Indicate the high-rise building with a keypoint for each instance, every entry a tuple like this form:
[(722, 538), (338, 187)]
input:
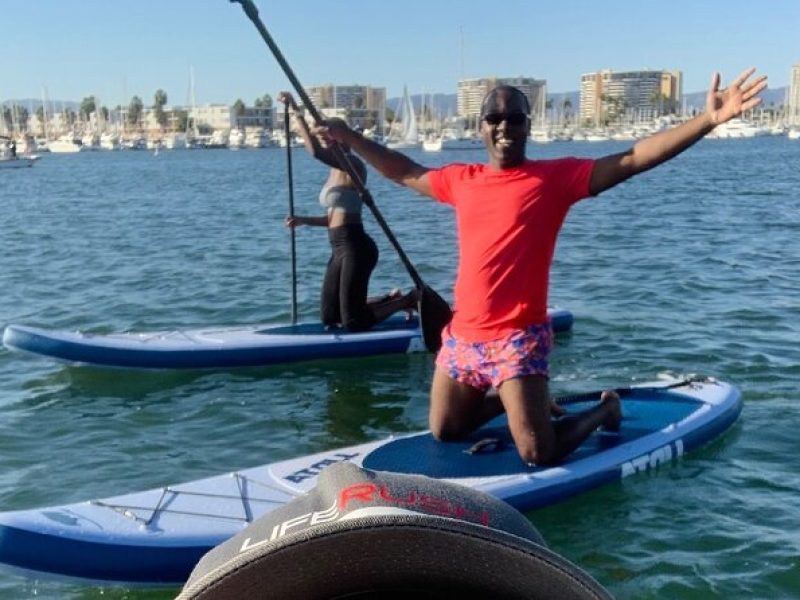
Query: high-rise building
[(629, 96), (793, 104), (472, 91), (363, 106)]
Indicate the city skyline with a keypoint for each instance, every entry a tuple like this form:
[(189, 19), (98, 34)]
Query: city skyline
[(114, 52)]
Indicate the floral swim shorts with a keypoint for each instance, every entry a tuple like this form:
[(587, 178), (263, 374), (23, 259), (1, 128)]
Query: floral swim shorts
[(488, 364)]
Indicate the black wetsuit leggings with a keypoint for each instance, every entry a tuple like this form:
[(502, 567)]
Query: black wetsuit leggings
[(344, 289)]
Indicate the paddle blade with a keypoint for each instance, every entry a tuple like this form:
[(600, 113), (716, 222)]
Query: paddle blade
[(434, 314)]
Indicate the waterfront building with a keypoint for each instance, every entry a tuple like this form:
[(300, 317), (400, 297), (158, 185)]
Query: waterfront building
[(261, 117), (150, 122), (793, 104), (472, 91), (213, 116), (629, 96), (362, 106)]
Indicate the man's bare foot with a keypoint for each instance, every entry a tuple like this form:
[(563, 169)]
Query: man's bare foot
[(610, 399)]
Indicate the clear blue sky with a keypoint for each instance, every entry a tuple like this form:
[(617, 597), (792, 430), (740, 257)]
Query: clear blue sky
[(115, 48)]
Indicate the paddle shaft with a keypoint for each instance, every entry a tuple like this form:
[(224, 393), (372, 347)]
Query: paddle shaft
[(252, 12), (288, 132)]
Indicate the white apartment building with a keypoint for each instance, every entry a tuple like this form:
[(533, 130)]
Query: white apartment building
[(472, 91), (629, 96), (215, 116), (793, 104)]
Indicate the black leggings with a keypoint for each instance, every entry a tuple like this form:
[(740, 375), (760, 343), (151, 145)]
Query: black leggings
[(344, 289)]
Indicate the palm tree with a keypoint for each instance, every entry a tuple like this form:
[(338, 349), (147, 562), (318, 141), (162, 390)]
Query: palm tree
[(159, 101), (135, 110), (566, 104)]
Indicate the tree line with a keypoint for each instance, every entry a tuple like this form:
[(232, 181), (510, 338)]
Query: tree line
[(18, 117)]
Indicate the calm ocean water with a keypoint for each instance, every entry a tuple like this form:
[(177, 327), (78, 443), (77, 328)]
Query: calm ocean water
[(691, 268)]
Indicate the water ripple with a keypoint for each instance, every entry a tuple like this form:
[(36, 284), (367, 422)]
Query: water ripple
[(689, 268)]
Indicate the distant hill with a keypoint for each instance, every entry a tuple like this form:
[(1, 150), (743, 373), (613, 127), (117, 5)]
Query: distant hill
[(770, 97)]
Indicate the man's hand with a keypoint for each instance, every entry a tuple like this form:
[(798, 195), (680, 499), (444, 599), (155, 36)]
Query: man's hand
[(725, 104), (333, 130)]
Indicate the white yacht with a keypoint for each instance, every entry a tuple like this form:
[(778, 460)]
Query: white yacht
[(738, 128), (541, 135), (432, 143), (90, 141), (109, 141), (597, 135), (255, 137), (66, 144), (459, 139), (218, 139), (236, 139), (133, 142), (175, 141)]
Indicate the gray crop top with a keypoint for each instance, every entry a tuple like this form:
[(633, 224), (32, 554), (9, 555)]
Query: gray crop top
[(339, 197)]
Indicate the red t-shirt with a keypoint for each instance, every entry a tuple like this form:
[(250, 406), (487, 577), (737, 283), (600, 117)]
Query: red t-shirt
[(507, 221)]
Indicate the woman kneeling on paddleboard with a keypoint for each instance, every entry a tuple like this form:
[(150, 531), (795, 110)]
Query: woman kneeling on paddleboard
[(354, 254)]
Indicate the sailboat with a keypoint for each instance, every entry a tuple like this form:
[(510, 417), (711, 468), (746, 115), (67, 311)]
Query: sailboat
[(405, 134), (432, 140)]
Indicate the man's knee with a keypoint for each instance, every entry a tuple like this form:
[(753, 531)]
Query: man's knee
[(446, 430)]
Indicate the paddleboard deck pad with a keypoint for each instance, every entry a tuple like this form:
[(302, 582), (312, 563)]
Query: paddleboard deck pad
[(158, 535), (226, 346)]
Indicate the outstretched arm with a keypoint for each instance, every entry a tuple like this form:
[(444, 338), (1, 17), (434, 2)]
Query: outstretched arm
[(393, 165), (310, 141), (721, 105)]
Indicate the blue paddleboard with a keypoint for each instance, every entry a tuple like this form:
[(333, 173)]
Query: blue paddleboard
[(158, 535), (220, 347)]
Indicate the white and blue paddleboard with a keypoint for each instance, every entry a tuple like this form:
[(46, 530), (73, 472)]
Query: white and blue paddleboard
[(158, 535), (220, 347)]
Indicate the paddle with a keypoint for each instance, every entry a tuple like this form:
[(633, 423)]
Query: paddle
[(434, 312), (287, 130)]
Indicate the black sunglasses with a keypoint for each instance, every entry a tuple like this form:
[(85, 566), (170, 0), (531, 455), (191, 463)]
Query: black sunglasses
[(511, 119)]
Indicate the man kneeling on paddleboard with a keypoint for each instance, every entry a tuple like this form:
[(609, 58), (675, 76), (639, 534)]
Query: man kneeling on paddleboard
[(508, 214)]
